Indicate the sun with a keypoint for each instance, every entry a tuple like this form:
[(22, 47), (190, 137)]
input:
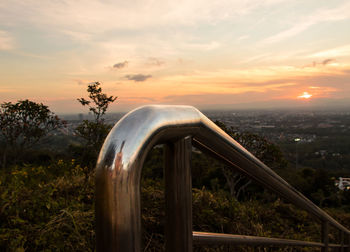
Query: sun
[(305, 95)]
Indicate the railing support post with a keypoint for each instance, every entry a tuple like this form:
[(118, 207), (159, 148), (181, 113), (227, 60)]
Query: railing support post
[(324, 238), (347, 242), (178, 191), (342, 241)]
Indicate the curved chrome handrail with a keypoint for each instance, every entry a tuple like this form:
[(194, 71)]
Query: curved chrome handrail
[(120, 162)]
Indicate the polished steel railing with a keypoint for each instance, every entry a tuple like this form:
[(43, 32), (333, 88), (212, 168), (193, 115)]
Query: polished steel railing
[(118, 175)]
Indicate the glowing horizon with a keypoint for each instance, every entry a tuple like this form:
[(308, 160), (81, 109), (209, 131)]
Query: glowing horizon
[(222, 53), (305, 95)]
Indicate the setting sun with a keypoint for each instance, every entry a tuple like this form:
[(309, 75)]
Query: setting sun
[(305, 95)]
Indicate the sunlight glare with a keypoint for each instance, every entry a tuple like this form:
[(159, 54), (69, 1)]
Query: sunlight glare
[(305, 95)]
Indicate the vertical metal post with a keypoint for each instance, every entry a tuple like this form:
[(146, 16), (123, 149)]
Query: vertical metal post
[(347, 242), (324, 236), (342, 240), (178, 196)]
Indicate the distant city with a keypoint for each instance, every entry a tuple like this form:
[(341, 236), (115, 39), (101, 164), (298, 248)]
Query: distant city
[(274, 125), (318, 139)]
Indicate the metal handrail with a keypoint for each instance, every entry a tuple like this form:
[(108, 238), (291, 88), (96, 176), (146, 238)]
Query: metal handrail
[(118, 175)]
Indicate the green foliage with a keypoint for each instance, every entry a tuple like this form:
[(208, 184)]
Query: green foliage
[(219, 212), (51, 208), (94, 132), (46, 208), (26, 122), (23, 124), (317, 185), (267, 152), (99, 101)]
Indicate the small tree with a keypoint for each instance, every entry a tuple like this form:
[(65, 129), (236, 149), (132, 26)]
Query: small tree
[(94, 132), (23, 124), (100, 101)]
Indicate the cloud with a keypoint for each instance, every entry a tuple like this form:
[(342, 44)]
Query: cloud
[(88, 20), (202, 46), (244, 101), (155, 61), (212, 98), (120, 65), (323, 63), (341, 12), (327, 61), (341, 51), (291, 32), (82, 82), (244, 37), (138, 77), (134, 99), (6, 41)]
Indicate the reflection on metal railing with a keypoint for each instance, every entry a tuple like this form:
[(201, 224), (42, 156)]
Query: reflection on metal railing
[(118, 173)]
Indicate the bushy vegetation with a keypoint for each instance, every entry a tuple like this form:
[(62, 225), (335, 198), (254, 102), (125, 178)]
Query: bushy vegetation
[(23, 124), (46, 208), (93, 132), (51, 208)]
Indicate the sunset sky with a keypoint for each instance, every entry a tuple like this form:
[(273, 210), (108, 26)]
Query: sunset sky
[(211, 54)]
